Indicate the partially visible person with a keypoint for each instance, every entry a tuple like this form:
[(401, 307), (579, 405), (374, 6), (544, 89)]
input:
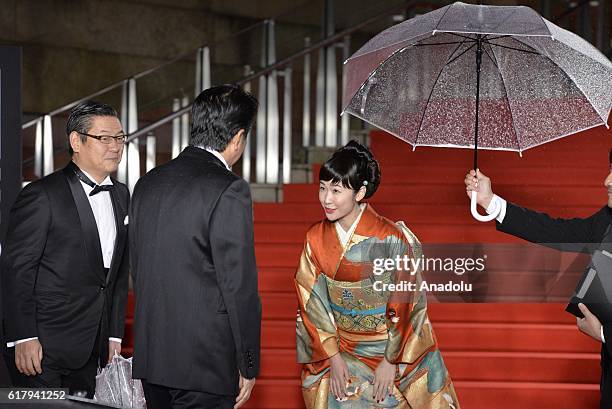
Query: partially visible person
[(198, 313), (359, 344), (577, 235), (64, 262)]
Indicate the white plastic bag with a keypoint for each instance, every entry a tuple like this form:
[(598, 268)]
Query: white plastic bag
[(115, 386)]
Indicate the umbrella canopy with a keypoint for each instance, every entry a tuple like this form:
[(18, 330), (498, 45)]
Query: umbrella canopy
[(420, 80)]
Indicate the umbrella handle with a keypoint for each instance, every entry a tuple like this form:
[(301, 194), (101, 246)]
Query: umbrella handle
[(480, 217)]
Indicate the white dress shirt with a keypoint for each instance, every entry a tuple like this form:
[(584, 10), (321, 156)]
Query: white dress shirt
[(501, 214), (218, 155), (102, 208)]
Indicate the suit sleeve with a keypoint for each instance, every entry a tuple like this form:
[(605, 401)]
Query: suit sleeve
[(29, 224), (607, 332), (233, 253), (120, 293), (562, 234)]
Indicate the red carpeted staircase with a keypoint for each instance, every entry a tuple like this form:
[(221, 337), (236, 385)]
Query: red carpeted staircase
[(500, 356)]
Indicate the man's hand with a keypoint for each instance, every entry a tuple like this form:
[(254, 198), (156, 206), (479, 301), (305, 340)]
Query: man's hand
[(28, 356), (384, 376), (113, 346), (476, 181), (590, 325), (339, 376), (246, 387)]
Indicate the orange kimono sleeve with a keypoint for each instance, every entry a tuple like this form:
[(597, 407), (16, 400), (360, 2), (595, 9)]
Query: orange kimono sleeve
[(317, 338)]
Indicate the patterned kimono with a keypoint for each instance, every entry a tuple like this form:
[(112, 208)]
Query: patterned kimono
[(340, 311)]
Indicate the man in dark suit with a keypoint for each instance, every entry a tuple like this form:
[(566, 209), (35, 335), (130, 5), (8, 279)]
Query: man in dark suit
[(566, 234), (198, 313), (65, 264)]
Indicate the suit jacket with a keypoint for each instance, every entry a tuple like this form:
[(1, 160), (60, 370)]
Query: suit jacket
[(54, 284), (198, 312), (577, 235)]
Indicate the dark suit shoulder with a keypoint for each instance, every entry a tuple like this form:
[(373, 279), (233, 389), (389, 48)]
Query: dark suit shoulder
[(48, 184), (187, 170), (121, 188)]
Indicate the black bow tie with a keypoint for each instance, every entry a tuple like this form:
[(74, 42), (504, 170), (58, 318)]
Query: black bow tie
[(101, 188), (96, 188)]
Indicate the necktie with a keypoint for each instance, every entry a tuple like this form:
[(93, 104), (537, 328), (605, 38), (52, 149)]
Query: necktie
[(96, 188)]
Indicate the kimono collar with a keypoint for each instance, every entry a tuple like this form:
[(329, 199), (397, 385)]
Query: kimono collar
[(344, 235), (369, 220)]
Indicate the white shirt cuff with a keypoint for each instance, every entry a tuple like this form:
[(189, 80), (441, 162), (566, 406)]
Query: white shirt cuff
[(115, 339), (603, 339), (19, 341), (499, 204)]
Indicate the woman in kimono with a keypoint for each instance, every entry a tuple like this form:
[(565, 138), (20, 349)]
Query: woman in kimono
[(361, 345)]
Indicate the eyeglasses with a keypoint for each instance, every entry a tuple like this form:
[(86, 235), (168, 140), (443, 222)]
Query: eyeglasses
[(107, 139)]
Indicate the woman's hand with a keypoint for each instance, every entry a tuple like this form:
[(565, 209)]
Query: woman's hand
[(339, 376), (384, 376)]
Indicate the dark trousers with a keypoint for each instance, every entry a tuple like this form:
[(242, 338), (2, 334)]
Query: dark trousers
[(80, 381), (606, 378), (162, 397)]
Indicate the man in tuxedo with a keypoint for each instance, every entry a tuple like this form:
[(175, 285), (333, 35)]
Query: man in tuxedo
[(64, 262), (566, 234), (198, 313)]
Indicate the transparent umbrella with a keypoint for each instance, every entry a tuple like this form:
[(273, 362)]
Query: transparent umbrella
[(480, 77)]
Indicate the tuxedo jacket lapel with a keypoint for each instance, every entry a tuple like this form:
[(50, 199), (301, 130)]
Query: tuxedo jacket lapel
[(88, 222), (120, 212)]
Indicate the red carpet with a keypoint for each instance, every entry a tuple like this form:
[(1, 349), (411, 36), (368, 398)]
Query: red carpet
[(528, 356)]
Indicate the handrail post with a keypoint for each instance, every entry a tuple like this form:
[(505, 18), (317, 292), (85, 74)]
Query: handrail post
[(151, 151), (345, 119), (129, 167), (320, 100), (48, 165), (268, 118), (176, 129), (287, 117), (246, 156), (202, 70), (331, 98), (306, 97), (184, 123), (38, 148), (272, 121)]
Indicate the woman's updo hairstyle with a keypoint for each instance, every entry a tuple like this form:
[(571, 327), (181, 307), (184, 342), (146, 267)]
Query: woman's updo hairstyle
[(353, 166)]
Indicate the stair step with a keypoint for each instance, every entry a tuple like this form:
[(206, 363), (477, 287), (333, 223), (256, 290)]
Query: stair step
[(473, 337), (286, 394), (283, 306), (471, 366)]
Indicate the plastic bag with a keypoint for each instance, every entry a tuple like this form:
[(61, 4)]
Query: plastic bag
[(115, 386)]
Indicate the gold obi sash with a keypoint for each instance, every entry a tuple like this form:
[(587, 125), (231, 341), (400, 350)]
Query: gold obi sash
[(357, 307)]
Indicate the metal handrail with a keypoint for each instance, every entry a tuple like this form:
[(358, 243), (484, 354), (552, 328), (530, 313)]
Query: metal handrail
[(321, 44), (281, 64), (135, 76)]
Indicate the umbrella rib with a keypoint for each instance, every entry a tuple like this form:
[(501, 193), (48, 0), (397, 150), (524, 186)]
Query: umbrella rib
[(463, 52), (491, 58), (495, 38), (431, 93), (518, 141), (449, 43), (462, 36), (512, 48)]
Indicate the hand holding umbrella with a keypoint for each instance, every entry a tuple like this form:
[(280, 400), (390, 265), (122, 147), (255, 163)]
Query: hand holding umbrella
[(479, 183)]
